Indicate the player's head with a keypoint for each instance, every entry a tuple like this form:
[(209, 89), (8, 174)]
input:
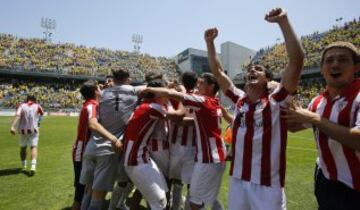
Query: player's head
[(121, 76), (30, 98), (257, 74), (154, 77), (89, 89), (155, 80), (207, 84), (339, 63), (189, 80), (109, 81)]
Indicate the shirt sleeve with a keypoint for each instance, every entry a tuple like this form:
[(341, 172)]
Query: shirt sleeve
[(91, 110), (138, 89), (281, 95), (234, 94), (195, 101)]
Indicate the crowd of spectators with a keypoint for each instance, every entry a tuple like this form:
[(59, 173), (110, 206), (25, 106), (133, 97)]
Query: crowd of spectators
[(274, 57), (41, 55), (51, 96)]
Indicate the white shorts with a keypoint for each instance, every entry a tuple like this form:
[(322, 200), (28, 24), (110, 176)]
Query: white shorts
[(249, 196), (205, 182), (99, 171), (150, 182), (161, 158), (188, 163), (29, 139), (181, 162)]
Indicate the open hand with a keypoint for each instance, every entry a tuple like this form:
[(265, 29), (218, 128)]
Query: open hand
[(296, 114)]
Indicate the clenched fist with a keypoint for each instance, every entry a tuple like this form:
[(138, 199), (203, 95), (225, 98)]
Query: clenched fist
[(276, 15), (210, 34)]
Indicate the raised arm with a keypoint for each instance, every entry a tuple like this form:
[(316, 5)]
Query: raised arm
[(295, 52), (215, 65), (165, 92)]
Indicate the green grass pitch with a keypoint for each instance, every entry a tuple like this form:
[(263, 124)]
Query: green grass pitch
[(52, 185)]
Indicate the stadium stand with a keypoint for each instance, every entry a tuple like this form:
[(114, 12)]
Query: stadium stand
[(40, 55)]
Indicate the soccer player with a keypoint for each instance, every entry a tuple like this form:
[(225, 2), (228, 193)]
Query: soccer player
[(211, 153), (182, 147), (100, 163), (335, 118), (28, 115), (89, 90), (259, 134), (139, 165)]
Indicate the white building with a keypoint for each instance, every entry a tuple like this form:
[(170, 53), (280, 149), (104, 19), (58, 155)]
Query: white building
[(232, 56)]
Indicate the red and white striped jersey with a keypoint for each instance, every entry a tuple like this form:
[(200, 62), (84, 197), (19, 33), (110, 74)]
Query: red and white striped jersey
[(210, 147), (337, 161), (138, 132), (159, 138), (259, 137), (29, 114), (180, 134), (89, 110)]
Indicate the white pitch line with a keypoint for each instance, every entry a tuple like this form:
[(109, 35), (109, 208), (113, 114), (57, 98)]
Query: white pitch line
[(301, 148), (301, 137)]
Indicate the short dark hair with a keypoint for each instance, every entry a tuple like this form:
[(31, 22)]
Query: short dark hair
[(355, 54), (266, 69), (189, 79), (109, 77), (152, 76), (211, 80), (120, 74), (154, 83), (30, 98), (88, 89)]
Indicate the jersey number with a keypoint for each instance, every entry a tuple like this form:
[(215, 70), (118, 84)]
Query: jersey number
[(117, 101)]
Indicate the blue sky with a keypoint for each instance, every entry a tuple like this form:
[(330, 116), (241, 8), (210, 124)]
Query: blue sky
[(168, 26)]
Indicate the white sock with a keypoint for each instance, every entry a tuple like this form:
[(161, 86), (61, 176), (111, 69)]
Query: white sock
[(23, 163), (33, 164), (177, 196)]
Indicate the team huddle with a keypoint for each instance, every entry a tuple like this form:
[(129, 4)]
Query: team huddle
[(165, 136)]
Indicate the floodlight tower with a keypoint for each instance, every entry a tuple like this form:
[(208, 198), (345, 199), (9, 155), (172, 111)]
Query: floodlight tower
[(137, 39), (339, 21), (48, 25)]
